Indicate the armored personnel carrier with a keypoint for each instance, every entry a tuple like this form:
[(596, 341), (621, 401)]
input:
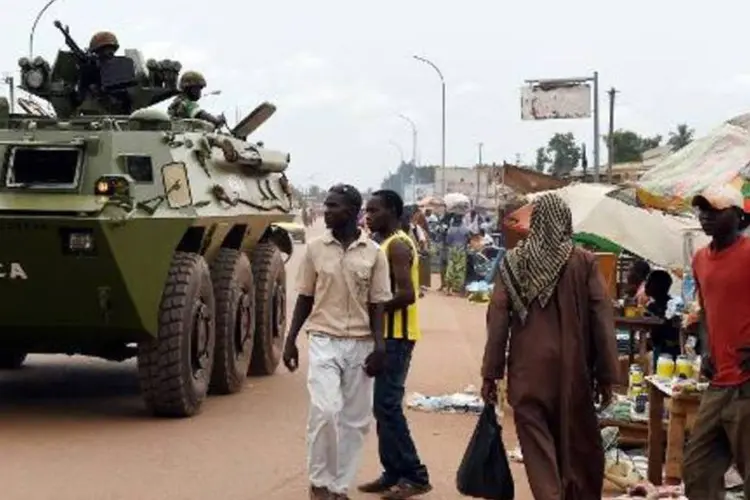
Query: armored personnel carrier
[(127, 234)]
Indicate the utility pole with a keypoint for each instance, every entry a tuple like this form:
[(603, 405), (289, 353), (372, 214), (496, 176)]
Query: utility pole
[(611, 137), (479, 171), (596, 125), (10, 82)]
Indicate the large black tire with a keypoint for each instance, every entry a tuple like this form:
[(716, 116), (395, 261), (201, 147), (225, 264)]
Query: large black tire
[(270, 309), (234, 294), (11, 359), (175, 367)]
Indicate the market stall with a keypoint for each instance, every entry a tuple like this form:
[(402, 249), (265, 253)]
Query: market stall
[(610, 225), (721, 157), (681, 399), (655, 415)]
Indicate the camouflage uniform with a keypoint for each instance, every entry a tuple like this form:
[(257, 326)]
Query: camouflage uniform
[(182, 107)]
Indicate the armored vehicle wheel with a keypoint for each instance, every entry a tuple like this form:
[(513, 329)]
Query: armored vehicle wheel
[(11, 359), (234, 294), (175, 368), (270, 308)]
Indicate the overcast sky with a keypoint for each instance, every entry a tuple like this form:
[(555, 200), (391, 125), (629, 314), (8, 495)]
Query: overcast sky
[(341, 71)]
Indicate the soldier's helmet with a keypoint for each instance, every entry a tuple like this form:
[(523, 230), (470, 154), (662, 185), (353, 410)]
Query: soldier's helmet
[(191, 79), (103, 39)]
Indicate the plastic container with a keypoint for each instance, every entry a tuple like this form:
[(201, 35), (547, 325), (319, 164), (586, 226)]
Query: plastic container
[(688, 287), (640, 403), (635, 376), (665, 366), (635, 381), (684, 367)]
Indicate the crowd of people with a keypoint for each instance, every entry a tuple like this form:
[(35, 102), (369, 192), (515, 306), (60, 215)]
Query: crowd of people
[(358, 304)]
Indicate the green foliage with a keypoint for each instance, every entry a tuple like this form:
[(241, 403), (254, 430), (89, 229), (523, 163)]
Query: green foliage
[(315, 192), (629, 146), (564, 153), (542, 160), (681, 137)]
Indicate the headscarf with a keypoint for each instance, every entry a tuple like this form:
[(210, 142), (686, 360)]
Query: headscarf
[(532, 269)]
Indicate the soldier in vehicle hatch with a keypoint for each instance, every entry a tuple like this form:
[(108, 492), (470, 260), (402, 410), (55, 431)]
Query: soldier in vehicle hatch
[(185, 105), (103, 45), (102, 48)]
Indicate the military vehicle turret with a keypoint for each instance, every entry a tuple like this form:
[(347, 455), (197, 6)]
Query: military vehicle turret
[(132, 235)]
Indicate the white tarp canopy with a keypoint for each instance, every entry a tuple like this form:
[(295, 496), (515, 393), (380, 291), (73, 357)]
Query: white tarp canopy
[(652, 235), (720, 157)]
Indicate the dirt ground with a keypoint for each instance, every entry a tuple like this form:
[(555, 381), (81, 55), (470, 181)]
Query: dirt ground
[(75, 428)]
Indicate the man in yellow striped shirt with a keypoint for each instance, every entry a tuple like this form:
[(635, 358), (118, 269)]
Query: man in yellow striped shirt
[(404, 475)]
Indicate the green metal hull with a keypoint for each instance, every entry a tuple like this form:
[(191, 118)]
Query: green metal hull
[(115, 292)]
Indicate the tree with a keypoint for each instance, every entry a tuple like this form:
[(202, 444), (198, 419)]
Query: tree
[(315, 192), (681, 137), (542, 160), (564, 152), (651, 142), (629, 146)]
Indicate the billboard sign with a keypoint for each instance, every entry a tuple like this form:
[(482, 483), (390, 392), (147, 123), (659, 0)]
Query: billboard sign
[(558, 101)]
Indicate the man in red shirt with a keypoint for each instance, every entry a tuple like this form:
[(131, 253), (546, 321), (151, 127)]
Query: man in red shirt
[(722, 274)]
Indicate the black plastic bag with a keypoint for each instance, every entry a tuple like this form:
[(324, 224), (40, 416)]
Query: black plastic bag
[(484, 471)]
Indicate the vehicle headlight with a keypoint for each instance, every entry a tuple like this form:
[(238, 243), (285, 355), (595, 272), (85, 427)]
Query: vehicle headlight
[(102, 188), (34, 78), (80, 242), (112, 186)]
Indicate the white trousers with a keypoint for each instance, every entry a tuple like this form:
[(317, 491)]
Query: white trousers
[(340, 410)]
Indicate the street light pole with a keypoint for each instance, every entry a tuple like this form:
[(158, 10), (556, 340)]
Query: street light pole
[(399, 149), (479, 170), (399, 169), (33, 26), (442, 105), (413, 155)]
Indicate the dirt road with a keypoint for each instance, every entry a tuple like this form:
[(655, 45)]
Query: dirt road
[(75, 428)]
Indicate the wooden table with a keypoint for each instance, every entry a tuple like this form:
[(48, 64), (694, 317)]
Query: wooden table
[(632, 325), (630, 433), (682, 411)]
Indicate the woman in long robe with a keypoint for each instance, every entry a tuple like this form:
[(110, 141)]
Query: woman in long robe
[(562, 354), (456, 248)]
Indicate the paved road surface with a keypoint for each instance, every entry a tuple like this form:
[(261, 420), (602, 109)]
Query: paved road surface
[(75, 428)]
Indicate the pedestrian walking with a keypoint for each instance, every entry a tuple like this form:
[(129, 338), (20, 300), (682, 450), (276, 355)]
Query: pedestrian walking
[(562, 354), (343, 285), (457, 245), (722, 277), (404, 475)]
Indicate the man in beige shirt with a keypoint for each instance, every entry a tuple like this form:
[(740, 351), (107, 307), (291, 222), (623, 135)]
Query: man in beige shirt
[(343, 284)]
